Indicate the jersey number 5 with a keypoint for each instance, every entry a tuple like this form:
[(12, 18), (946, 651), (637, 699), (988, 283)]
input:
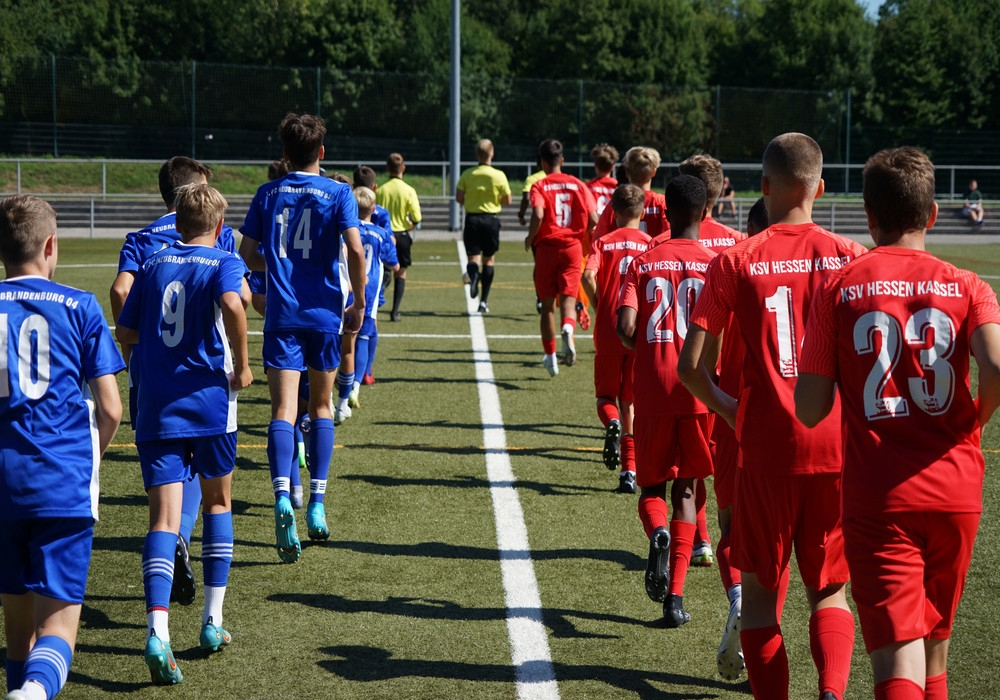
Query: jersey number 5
[(32, 356)]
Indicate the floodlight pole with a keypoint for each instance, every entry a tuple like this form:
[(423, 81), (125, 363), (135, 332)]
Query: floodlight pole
[(455, 113)]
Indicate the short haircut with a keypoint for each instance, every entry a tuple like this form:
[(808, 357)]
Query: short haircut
[(394, 164), (180, 171), (484, 150), (26, 222), (794, 158), (898, 188), (642, 162), (301, 136), (340, 177), (550, 151), (276, 169), (605, 156), (686, 197), (366, 200), (757, 219), (364, 177), (200, 208), (628, 200), (708, 169)]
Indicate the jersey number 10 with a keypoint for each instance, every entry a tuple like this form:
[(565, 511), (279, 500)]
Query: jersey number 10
[(32, 356)]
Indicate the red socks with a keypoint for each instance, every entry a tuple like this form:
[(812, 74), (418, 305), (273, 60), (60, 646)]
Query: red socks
[(767, 662), (831, 640), (607, 411), (681, 540), (729, 573), (549, 346), (936, 687), (627, 449), (652, 513), (899, 689)]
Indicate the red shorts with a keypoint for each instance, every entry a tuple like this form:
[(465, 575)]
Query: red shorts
[(727, 452), (557, 268), (774, 513), (672, 446), (613, 375), (908, 573)]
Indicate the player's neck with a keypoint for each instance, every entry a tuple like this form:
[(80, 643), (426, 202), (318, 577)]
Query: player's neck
[(207, 240), (644, 186), (911, 240), (691, 232), (33, 268)]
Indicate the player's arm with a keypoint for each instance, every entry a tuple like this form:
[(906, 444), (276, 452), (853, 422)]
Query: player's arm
[(354, 315), (506, 199), (107, 408), (696, 369), (591, 223), (234, 318), (985, 342), (245, 296), (589, 282), (625, 328), (525, 201), (814, 396), (537, 214), (119, 293), (126, 336), (460, 196), (251, 256)]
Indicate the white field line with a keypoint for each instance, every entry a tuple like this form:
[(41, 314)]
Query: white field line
[(529, 645), (439, 336)]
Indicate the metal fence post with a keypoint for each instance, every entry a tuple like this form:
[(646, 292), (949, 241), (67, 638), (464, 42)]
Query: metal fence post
[(193, 109), (319, 98), (847, 147), (91, 216), (718, 121), (579, 132), (55, 121)]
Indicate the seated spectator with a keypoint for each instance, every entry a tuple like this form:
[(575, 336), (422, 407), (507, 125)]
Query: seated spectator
[(973, 206), (728, 195)]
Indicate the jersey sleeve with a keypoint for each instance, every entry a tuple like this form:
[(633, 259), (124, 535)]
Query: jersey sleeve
[(503, 188), (347, 210), (717, 298), (100, 352), (227, 241), (229, 276), (984, 304), (251, 227), (629, 295), (819, 346), (604, 222), (537, 196), (414, 207), (594, 258), (129, 317), (387, 252), (128, 258)]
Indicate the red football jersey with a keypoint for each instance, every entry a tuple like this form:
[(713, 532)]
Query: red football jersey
[(716, 236), (892, 329), (567, 203), (602, 188), (654, 217), (767, 282), (610, 257), (662, 286)]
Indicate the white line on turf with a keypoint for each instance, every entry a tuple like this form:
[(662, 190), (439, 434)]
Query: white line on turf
[(529, 645)]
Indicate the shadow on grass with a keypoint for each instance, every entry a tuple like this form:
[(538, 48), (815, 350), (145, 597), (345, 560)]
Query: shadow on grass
[(367, 664), (558, 429), (94, 619), (472, 482)]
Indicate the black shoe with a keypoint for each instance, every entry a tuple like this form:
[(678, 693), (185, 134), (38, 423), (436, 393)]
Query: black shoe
[(674, 614), (626, 483), (474, 286), (538, 305), (612, 435), (182, 589), (483, 308), (828, 695), (658, 565), (394, 316)]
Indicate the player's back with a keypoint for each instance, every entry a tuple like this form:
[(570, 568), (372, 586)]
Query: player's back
[(299, 220), (602, 187), (484, 187), (567, 203), (54, 339), (663, 285), (716, 236), (141, 245), (654, 217), (903, 320), (768, 282), (401, 201), (174, 305), (379, 251), (611, 257)]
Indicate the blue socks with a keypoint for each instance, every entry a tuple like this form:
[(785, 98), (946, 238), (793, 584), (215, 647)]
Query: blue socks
[(280, 448), (15, 674), (158, 568), (345, 382), (321, 452), (217, 548), (190, 507), (372, 346), (48, 661)]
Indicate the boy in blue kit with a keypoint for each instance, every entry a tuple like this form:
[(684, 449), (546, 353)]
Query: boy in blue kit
[(303, 221), (365, 177), (187, 305), (53, 341), (380, 255), (139, 246)]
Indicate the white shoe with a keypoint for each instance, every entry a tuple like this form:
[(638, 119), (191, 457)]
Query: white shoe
[(568, 348), (550, 363), (340, 415), (352, 400), (730, 655)]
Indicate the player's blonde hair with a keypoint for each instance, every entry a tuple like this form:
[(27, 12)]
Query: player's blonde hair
[(708, 170), (200, 208), (641, 163), (484, 150), (794, 158), (366, 200), (899, 189), (26, 222)]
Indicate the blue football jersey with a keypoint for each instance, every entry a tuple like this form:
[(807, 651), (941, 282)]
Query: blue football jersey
[(53, 340), (380, 217), (140, 245), (299, 219), (379, 252), (183, 348)]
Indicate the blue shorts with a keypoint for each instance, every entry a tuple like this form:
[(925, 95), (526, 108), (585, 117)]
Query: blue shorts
[(296, 350), (172, 461), (367, 328), (47, 556)]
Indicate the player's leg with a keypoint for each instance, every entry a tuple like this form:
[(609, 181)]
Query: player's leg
[(763, 644), (19, 627), (701, 554), (653, 436), (183, 590), (626, 446), (568, 314), (568, 272), (46, 666), (321, 433), (345, 379), (298, 461), (898, 670), (547, 328), (216, 465), (474, 254), (369, 378), (607, 386), (682, 529), (488, 272), (403, 245)]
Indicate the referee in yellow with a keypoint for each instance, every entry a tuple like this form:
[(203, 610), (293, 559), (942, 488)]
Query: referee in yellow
[(400, 200), (482, 191)]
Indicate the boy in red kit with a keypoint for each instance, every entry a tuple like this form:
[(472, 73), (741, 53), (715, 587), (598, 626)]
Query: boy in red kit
[(602, 279), (672, 428), (563, 213), (602, 187), (892, 333), (641, 164), (789, 486)]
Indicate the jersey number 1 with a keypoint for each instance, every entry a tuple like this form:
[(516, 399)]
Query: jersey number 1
[(32, 357)]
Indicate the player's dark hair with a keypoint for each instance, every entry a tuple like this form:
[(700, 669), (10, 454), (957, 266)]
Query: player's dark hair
[(757, 219), (25, 222), (301, 136), (686, 198), (708, 169), (178, 172), (898, 189), (364, 177), (394, 164), (628, 200), (605, 156), (550, 151), (340, 177), (276, 169)]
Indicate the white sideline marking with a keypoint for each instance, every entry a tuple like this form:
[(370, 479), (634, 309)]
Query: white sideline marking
[(529, 644)]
